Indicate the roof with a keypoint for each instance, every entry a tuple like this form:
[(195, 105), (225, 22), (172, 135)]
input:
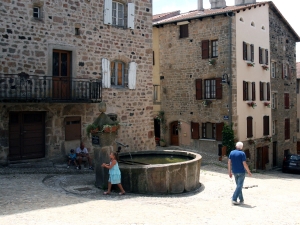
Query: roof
[(196, 14), (167, 15), (298, 69)]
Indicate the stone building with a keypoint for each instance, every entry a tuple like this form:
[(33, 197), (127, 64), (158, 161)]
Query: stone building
[(58, 60), (215, 67), (298, 107)]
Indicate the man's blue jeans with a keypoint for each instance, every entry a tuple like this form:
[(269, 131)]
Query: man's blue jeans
[(239, 180)]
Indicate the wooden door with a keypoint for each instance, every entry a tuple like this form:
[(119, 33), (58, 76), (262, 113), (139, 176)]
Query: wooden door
[(26, 135), (262, 157), (174, 133), (61, 70)]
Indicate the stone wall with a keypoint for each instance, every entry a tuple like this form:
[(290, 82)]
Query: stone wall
[(27, 45), (181, 64), (283, 49)]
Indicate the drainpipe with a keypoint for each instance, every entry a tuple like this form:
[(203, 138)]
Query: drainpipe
[(230, 70)]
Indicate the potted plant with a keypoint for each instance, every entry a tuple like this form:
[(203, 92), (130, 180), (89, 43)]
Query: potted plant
[(265, 67), (252, 104), (91, 129), (162, 142), (268, 104), (110, 128), (206, 103), (211, 62), (249, 63)]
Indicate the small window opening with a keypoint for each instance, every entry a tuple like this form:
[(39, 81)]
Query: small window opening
[(36, 12), (77, 32), (241, 19)]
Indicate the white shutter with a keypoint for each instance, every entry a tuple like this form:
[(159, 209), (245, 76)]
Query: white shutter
[(130, 16), (132, 75), (108, 12), (105, 73)]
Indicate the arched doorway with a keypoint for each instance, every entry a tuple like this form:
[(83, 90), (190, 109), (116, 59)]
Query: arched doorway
[(174, 133)]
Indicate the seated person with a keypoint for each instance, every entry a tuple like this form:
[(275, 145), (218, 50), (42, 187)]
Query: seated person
[(83, 154), (72, 158)]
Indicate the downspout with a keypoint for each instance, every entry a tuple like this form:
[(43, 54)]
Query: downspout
[(230, 70)]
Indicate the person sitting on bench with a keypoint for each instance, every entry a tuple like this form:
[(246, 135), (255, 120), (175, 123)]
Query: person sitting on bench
[(83, 155)]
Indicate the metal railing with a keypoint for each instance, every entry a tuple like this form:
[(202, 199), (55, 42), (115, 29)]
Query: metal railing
[(23, 87)]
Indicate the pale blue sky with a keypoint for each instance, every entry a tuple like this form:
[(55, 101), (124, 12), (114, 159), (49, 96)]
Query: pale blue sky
[(290, 9)]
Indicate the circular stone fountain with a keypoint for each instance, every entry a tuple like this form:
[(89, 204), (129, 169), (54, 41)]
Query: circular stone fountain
[(160, 172)]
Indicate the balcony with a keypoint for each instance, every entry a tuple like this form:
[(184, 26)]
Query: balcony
[(23, 87)]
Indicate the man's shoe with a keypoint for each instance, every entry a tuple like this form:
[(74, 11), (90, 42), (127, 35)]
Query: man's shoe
[(91, 168), (241, 202), (235, 203)]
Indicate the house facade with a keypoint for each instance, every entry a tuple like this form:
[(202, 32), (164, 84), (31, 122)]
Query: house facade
[(298, 107), (215, 68), (59, 60)]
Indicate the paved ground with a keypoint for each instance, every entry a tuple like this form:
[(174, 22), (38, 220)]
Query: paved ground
[(56, 196)]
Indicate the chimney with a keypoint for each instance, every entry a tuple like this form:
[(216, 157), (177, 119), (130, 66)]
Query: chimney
[(244, 2), (200, 5), (217, 4)]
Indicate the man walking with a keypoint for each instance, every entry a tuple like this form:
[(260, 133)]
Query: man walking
[(237, 165)]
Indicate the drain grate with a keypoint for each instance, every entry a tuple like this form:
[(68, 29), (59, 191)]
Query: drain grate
[(83, 189)]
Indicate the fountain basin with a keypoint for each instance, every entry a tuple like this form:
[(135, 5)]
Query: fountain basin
[(158, 178)]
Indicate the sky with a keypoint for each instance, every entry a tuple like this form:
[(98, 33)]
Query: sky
[(289, 11)]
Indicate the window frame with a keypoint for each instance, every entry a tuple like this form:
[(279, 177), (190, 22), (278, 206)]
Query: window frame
[(273, 69), (210, 90), (214, 48), (117, 14), (38, 13), (115, 71), (274, 126), (213, 130), (184, 31), (274, 100)]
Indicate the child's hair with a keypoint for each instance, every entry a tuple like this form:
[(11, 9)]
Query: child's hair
[(116, 155), (72, 150)]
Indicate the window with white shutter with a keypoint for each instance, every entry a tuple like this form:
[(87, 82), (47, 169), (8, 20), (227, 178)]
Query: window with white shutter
[(105, 73), (118, 14), (108, 12), (132, 75), (130, 16)]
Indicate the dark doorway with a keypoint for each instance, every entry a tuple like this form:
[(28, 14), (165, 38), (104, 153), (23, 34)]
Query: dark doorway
[(61, 71), (262, 157), (26, 135), (274, 153), (298, 148), (157, 130), (174, 133)]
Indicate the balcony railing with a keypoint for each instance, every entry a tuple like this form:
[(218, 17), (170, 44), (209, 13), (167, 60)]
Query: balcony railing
[(23, 87)]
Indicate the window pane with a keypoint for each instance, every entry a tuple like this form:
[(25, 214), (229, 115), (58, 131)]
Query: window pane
[(113, 74), (64, 64), (209, 130), (120, 73), (36, 12), (114, 13), (213, 88), (55, 66)]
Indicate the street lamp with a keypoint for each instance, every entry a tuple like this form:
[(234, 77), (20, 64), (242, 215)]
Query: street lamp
[(225, 79)]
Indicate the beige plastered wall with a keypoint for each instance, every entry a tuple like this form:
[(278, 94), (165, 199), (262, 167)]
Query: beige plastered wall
[(156, 72), (260, 38)]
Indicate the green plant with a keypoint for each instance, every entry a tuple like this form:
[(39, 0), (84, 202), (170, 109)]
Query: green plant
[(90, 128), (228, 138), (161, 117)]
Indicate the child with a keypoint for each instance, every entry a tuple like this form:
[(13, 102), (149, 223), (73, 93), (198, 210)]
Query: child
[(72, 158), (114, 173)]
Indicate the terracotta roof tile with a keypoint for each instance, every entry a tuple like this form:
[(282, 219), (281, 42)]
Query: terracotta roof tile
[(163, 16)]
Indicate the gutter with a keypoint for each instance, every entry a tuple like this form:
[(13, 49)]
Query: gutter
[(230, 69)]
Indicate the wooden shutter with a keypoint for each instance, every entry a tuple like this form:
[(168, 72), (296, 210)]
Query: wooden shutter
[(205, 49), (286, 100), (132, 75), (198, 89), (268, 91), (266, 125), (267, 57), (261, 90), (218, 88), (219, 128), (72, 128), (249, 127), (287, 129), (245, 91), (260, 55), (184, 30), (244, 51), (130, 15), (253, 92), (195, 130), (252, 53), (108, 12), (106, 81), (265, 156)]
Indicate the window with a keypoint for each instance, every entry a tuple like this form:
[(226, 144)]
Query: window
[(195, 130), (274, 126), (248, 52), (77, 32), (184, 31), (214, 48), (72, 128), (249, 91), (286, 100), (156, 93), (117, 73), (36, 12), (274, 101), (249, 127), (198, 89), (117, 14), (264, 91), (266, 125), (213, 89), (212, 131), (114, 14), (287, 129), (273, 70), (263, 56)]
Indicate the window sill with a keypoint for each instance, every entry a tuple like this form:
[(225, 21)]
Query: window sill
[(210, 140)]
